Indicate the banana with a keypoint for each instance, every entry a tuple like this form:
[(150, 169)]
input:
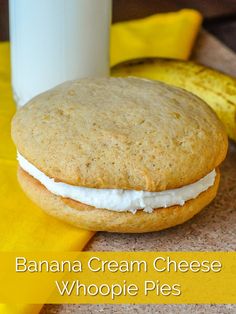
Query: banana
[(218, 90)]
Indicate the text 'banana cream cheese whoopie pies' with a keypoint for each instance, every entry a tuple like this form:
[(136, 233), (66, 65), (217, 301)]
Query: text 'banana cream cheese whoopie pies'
[(119, 154)]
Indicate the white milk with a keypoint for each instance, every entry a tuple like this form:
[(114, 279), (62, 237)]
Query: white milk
[(57, 40)]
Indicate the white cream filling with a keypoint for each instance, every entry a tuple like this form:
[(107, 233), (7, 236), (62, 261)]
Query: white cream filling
[(117, 199)]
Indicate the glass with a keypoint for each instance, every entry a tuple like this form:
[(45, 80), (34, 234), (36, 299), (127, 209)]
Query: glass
[(57, 40)]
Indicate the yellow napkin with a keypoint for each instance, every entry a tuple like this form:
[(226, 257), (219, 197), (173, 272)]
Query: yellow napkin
[(23, 226), (169, 35)]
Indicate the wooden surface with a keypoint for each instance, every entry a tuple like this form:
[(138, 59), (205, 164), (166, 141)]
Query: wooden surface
[(213, 229), (4, 24), (129, 9)]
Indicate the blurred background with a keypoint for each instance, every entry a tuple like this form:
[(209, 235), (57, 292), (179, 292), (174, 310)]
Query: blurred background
[(219, 15)]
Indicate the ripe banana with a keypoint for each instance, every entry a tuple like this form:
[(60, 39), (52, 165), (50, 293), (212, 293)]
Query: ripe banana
[(216, 89)]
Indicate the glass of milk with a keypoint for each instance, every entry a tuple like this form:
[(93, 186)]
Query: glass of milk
[(57, 40)]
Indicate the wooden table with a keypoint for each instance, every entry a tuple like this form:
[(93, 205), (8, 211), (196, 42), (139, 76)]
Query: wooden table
[(214, 228)]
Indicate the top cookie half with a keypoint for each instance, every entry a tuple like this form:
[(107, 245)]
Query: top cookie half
[(120, 133)]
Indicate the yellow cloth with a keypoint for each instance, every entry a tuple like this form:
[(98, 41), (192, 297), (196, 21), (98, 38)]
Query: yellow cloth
[(23, 226), (168, 35)]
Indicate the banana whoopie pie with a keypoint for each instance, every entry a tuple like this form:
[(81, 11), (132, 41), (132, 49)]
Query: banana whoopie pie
[(119, 154)]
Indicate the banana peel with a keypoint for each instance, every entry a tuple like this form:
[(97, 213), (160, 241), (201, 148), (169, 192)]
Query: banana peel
[(218, 90)]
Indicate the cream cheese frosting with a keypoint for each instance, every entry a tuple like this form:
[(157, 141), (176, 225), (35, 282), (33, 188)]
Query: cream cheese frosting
[(117, 199)]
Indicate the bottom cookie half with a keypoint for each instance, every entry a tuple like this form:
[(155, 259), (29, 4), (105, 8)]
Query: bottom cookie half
[(87, 217)]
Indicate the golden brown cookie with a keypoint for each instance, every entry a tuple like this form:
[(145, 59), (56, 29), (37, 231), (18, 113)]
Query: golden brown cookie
[(121, 133), (127, 140)]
